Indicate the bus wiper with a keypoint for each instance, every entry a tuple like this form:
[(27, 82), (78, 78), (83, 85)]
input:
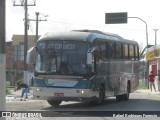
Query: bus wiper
[(44, 72)]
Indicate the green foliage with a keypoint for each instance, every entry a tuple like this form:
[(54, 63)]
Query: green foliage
[(141, 85), (19, 81)]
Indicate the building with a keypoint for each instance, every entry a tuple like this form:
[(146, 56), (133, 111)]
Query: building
[(15, 57), (9, 63), (153, 57)]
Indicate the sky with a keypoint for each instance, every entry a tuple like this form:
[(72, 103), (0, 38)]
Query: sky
[(66, 15)]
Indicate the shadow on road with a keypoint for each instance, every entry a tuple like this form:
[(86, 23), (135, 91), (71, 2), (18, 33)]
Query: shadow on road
[(110, 104), (80, 105), (110, 107), (137, 102)]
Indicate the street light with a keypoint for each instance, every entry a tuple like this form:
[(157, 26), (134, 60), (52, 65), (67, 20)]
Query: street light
[(147, 46), (146, 29), (155, 35)]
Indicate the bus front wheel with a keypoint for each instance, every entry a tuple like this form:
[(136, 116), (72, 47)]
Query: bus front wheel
[(100, 98), (54, 103)]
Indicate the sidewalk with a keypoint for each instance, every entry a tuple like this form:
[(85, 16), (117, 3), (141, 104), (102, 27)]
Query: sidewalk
[(16, 96), (148, 91)]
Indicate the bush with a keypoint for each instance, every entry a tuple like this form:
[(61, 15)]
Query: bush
[(19, 81)]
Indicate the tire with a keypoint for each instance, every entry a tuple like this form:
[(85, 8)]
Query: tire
[(124, 96), (101, 97), (54, 103)]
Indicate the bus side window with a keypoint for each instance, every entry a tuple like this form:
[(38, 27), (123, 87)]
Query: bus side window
[(131, 52), (96, 55), (107, 52), (118, 51), (103, 49), (136, 52), (125, 51), (111, 50)]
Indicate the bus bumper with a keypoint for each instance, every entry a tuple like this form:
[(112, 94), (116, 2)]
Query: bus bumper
[(64, 94)]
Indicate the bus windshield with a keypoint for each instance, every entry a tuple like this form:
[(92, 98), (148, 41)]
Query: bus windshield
[(62, 57)]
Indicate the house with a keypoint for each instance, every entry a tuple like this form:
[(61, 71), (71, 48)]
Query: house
[(15, 57)]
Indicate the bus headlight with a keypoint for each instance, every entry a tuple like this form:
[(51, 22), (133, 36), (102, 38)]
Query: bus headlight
[(82, 91), (38, 89)]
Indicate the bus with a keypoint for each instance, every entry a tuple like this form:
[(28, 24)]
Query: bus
[(84, 65)]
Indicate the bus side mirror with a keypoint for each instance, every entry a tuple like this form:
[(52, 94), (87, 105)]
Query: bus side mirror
[(30, 55), (90, 56)]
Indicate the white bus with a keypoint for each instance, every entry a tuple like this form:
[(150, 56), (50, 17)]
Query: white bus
[(84, 65)]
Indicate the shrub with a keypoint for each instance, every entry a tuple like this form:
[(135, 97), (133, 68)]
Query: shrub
[(19, 81)]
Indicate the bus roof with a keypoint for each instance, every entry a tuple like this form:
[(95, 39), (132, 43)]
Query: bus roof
[(84, 35)]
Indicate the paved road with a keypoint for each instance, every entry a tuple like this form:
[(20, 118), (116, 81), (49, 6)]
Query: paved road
[(141, 100)]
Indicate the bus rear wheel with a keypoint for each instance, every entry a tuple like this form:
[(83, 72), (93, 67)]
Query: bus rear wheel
[(54, 102)]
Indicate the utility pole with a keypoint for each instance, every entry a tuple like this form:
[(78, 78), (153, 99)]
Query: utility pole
[(25, 4), (155, 35), (2, 57), (37, 20)]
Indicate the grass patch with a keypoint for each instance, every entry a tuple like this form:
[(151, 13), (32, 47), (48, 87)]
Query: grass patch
[(142, 86)]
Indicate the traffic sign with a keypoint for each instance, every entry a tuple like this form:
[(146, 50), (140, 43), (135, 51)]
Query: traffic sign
[(116, 18)]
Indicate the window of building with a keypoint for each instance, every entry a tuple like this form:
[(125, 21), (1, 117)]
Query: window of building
[(19, 52)]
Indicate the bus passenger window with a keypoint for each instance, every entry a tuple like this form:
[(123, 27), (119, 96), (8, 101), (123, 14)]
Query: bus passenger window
[(131, 52), (111, 50), (103, 50), (118, 51), (136, 52), (125, 51), (107, 52)]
